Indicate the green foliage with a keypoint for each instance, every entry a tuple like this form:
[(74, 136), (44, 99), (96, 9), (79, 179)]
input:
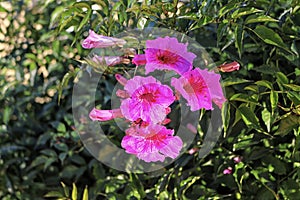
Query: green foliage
[(41, 155)]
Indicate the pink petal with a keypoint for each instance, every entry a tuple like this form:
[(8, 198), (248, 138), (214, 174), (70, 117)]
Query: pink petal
[(213, 81), (139, 59), (121, 79), (138, 81), (173, 148), (193, 88), (152, 143), (158, 59), (171, 45), (105, 115)]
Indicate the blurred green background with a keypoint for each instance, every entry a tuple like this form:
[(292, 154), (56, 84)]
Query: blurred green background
[(41, 155)]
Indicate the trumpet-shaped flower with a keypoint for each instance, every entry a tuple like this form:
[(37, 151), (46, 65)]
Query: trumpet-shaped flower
[(168, 54), (99, 41), (229, 67), (200, 88), (148, 99), (152, 143)]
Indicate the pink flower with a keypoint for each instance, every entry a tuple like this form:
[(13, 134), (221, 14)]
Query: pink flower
[(139, 59), (121, 79), (148, 100), (110, 60), (229, 67), (200, 88), (168, 54), (152, 143), (105, 115), (237, 159), (193, 150), (99, 41), (228, 170)]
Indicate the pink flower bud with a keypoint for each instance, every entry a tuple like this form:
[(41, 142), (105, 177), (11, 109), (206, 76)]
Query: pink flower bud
[(237, 159), (99, 41), (139, 59), (105, 115), (168, 110), (166, 121), (229, 67), (121, 79), (228, 170), (111, 60), (193, 150)]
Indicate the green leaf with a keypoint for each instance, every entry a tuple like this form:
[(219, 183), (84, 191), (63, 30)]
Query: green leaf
[(261, 18), (7, 114), (59, 126), (281, 78), (63, 84), (85, 194), (137, 184), (294, 97), (279, 166), (266, 116), (61, 146), (85, 19), (66, 189), (239, 36), (270, 37), (54, 194), (273, 100), (49, 162), (225, 116), (245, 11), (55, 15), (287, 124), (233, 81), (227, 8), (292, 87), (222, 27), (74, 192), (266, 69), (249, 117), (264, 83), (244, 98)]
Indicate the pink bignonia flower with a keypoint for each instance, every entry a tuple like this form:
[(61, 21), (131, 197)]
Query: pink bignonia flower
[(105, 115), (99, 41), (168, 54), (121, 79), (148, 99), (152, 143), (110, 60), (139, 59), (200, 88), (193, 150), (229, 67), (237, 159), (228, 170)]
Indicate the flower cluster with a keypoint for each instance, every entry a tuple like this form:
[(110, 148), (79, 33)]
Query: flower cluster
[(145, 101)]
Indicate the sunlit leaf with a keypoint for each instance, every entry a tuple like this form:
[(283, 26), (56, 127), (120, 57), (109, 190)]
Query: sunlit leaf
[(260, 18), (74, 192), (269, 36), (249, 117)]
